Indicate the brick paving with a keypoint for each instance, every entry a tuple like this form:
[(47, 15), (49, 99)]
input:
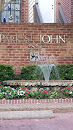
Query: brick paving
[(17, 101)]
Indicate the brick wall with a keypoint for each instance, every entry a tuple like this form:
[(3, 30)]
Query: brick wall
[(72, 11), (15, 46), (67, 9), (25, 11)]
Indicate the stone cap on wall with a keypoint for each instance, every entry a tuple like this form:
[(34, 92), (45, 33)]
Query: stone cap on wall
[(38, 82)]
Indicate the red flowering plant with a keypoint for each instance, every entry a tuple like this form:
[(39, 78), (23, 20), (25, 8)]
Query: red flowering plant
[(23, 92), (7, 92), (1, 91), (27, 93), (68, 91), (40, 94)]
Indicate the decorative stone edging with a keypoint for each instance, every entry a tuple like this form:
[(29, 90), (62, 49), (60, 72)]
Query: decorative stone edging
[(33, 83), (19, 101)]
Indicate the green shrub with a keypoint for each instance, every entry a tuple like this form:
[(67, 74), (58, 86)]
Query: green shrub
[(31, 73), (65, 72), (60, 72), (35, 73), (54, 75), (6, 72), (17, 78)]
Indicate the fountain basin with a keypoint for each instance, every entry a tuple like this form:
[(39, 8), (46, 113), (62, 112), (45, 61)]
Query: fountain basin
[(37, 83)]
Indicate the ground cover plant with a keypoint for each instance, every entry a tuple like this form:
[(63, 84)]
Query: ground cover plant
[(8, 92)]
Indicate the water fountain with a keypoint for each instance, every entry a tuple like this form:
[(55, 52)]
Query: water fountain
[(47, 64)]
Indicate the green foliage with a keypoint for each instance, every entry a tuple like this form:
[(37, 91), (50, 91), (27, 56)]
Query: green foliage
[(31, 73), (55, 94), (65, 72), (54, 75), (17, 78), (60, 72), (6, 72)]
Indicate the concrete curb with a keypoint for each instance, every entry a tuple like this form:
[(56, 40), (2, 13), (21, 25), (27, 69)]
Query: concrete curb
[(55, 107), (26, 114)]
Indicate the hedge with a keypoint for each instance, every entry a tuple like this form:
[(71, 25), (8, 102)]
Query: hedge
[(59, 72), (31, 73), (6, 72)]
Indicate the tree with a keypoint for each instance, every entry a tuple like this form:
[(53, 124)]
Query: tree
[(2, 6)]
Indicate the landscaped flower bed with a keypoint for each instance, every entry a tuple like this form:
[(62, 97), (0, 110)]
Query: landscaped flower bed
[(40, 93)]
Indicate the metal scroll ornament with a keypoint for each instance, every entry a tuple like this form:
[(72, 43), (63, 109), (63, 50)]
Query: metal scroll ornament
[(11, 17)]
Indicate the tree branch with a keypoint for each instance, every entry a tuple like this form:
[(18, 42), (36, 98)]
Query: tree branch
[(2, 7)]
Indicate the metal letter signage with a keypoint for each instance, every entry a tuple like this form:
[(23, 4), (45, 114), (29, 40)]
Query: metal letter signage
[(11, 39), (29, 37), (51, 38)]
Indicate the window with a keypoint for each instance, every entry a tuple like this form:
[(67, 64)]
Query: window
[(12, 13)]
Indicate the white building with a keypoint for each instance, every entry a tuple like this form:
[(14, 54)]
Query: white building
[(46, 10)]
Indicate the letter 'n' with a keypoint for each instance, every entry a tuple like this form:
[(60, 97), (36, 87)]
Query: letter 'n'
[(60, 38)]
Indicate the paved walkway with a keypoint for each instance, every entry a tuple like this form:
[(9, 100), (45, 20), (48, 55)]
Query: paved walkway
[(55, 107), (62, 121)]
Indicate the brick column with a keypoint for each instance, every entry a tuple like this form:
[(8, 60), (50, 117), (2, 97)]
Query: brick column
[(25, 11)]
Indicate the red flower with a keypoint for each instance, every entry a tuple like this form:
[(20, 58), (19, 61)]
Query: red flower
[(40, 96), (69, 86), (22, 87), (67, 92), (0, 86), (26, 94), (61, 93)]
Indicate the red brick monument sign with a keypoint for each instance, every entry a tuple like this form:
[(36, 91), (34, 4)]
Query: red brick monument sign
[(21, 44)]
